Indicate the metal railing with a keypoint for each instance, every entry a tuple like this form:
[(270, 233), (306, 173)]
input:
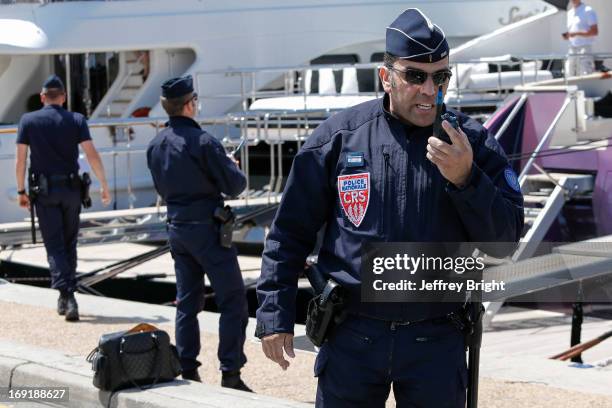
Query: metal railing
[(247, 128), (282, 81), (274, 127), (515, 110), (544, 139)]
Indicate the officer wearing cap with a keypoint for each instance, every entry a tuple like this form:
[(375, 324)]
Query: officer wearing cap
[(191, 170), (420, 189), (53, 136)]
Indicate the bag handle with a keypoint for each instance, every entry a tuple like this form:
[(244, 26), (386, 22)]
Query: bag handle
[(157, 363)]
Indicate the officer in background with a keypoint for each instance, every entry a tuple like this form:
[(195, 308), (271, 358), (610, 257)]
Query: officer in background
[(54, 135), (190, 170), (421, 189)]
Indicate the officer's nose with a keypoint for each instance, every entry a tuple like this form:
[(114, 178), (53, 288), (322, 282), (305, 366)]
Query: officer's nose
[(428, 88)]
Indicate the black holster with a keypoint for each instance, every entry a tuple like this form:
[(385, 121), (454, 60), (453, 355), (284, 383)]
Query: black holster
[(225, 216), (84, 186), (38, 185), (326, 309)]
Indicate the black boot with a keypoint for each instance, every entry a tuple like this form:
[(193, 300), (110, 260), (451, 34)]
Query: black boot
[(231, 379), (72, 309), (192, 375), (62, 303)]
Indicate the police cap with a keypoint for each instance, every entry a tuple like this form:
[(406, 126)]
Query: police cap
[(177, 87), (53, 82), (413, 36)]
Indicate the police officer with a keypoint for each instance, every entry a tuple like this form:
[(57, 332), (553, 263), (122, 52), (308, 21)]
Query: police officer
[(54, 135), (190, 170), (420, 189)]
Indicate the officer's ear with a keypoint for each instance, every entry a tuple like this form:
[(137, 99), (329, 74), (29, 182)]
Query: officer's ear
[(384, 74)]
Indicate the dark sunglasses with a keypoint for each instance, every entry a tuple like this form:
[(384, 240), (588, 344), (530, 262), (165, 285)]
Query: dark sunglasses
[(418, 77)]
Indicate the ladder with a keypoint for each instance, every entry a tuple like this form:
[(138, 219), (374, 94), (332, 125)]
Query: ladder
[(130, 83), (545, 194)]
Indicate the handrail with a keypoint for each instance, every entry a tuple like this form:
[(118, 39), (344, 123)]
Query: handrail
[(544, 140), (248, 92), (515, 110)]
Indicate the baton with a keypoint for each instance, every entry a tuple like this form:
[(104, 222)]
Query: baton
[(32, 223), (477, 312)]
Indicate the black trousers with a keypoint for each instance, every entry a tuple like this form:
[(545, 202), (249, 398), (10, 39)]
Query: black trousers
[(58, 219), (196, 251)]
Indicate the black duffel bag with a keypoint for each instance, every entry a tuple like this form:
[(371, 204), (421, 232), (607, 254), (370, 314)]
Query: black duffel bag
[(140, 357)]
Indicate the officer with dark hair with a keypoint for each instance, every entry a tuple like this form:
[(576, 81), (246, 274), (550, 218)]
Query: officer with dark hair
[(414, 187), (190, 170), (54, 135)]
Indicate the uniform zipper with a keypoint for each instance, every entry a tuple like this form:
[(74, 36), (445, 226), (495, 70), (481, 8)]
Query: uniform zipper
[(384, 195)]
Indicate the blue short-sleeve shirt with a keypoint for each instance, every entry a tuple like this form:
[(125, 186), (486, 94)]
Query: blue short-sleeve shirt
[(53, 135)]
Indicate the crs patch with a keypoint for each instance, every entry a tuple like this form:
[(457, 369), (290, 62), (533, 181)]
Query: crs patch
[(354, 193), (512, 180)]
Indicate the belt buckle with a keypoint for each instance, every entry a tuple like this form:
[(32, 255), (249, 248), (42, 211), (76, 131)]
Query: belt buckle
[(395, 323)]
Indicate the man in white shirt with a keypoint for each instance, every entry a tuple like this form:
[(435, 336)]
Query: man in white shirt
[(581, 32)]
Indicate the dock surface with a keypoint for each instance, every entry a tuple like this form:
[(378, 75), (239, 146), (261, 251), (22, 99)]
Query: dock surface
[(514, 367)]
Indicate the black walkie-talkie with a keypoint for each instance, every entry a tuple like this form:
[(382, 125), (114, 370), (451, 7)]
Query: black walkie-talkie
[(438, 131)]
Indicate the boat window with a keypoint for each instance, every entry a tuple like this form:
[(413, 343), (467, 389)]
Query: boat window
[(366, 77), (330, 59), (377, 57)]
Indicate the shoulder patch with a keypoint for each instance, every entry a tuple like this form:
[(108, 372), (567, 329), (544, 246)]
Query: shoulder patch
[(512, 179)]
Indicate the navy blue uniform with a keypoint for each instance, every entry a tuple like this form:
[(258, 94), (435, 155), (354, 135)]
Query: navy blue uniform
[(53, 135), (409, 200), (190, 170)]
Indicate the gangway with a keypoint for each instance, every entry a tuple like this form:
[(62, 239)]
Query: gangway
[(545, 193)]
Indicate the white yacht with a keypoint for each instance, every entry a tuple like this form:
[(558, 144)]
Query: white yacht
[(114, 55)]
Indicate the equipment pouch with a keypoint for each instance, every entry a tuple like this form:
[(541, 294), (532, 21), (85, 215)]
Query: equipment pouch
[(38, 185), (84, 185), (225, 216)]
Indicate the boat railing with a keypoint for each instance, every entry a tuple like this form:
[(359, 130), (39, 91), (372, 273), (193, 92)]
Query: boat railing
[(297, 83), (547, 135), (244, 129)]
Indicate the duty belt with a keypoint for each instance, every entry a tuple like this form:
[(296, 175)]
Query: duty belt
[(453, 317), (58, 180), (192, 222)]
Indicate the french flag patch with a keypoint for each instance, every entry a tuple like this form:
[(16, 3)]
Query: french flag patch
[(354, 193)]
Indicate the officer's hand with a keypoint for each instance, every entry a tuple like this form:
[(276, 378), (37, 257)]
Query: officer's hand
[(453, 160), (273, 346), (105, 196), (24, 201), (565, 36)]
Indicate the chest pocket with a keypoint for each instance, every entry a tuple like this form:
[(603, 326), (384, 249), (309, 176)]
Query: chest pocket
[(362, 193)]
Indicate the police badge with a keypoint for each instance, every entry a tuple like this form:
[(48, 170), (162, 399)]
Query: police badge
[(354, 193)]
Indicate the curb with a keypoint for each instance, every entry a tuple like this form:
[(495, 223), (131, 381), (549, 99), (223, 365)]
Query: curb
[(26, 366)]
